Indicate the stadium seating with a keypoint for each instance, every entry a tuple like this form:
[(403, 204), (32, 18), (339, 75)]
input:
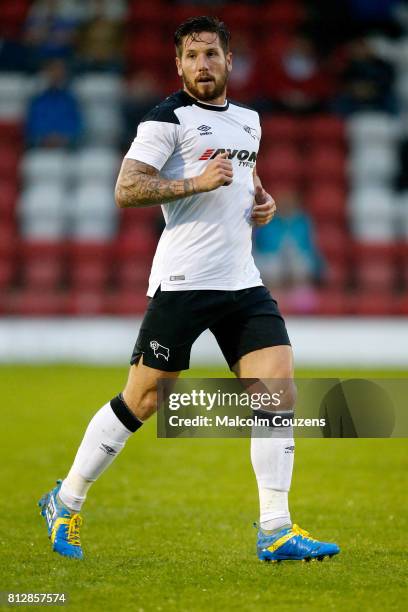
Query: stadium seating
[(372, 128), (42, 212), (15, 89), (89, 265), (65, 248), (92, 212), (373, 214), (280, 129), (96, 164), (42, 264), (324, 130), (43, 166), (326, 202), (100, 96), (373, 165)]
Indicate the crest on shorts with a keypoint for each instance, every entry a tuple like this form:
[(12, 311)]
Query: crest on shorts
[(159, 350)]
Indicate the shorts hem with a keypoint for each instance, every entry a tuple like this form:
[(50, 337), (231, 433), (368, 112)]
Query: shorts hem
[(164, 367), (256, 348)]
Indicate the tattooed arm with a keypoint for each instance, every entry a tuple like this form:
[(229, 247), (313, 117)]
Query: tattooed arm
[(139, 184)]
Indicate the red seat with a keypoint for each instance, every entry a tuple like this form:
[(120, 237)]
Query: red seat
[(324, 129), (42, 264), (403, 262), (333, 303), (9, 159), (145, 14), (375, 266), (8, 199), (279, 129), (42, 273), (8, 240), (282, 15), (145, 51), (131, 274), (128, 303), (333, 242), (274, 46), (92, 274), (12, 16), (280, 164), (84, 250), (145, 216), (375, 275), (11, 132), (402, 304), (325, 163), (326, 202), (7, 272), (240, 16), (374, 250), (175, 13), (89, 264), (88, 302), (336, 275), (374, 303), (139, 241), (36, 302)]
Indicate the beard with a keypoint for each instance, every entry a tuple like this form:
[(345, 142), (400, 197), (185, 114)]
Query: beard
[(206, 91)]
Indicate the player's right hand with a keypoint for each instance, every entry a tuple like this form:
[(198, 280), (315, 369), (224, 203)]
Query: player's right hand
[(218, 172)]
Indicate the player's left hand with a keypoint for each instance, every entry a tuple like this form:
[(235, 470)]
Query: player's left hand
[(264, 207)]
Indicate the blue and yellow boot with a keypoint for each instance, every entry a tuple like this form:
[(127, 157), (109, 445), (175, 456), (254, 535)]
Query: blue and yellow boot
[(293, 543), (62, 524)]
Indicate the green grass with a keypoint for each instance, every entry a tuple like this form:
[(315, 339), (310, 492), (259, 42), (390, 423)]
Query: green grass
[(168, 527)]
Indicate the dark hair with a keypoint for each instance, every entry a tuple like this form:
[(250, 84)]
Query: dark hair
[(195, 25)]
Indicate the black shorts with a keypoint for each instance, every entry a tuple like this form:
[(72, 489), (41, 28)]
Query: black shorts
[(241, 321)]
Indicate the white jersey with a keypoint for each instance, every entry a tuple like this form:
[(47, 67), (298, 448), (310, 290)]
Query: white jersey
[(207, 241)]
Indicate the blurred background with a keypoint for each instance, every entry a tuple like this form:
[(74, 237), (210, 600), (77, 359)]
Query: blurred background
[(330, 80)]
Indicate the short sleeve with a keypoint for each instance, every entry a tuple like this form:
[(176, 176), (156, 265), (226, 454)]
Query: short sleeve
[(154, 143)]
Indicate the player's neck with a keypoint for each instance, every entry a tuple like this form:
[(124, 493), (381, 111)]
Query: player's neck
[(220, 101)]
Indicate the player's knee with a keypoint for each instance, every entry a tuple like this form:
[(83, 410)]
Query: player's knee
[(287, 384), (289, 395), (143, 405)]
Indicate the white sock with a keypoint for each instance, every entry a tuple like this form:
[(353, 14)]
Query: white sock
[(272, 460), (104, 438)]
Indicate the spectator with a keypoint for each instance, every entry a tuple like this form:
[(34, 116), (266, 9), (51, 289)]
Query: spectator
[(296, 81), (243, 83), (143, 92), (100, 46), (49, 32), (285, 250), (54, 118), (367, 82)]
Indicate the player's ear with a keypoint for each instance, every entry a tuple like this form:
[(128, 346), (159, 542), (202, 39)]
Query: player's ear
[(229, 61), (178, 64)]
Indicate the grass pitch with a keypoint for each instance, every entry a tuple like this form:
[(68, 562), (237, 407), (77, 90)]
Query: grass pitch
[(168, 527)]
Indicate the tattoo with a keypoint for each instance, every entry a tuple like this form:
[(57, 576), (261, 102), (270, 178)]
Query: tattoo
[(139, 184)]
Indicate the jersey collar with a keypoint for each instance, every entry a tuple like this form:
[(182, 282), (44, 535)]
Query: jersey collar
[(211, 107)]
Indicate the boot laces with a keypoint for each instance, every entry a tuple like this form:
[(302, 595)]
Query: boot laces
[(302, 532)]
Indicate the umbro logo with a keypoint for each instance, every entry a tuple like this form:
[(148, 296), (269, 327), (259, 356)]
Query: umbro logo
[(107, 449), (289, 449), (205, 130)]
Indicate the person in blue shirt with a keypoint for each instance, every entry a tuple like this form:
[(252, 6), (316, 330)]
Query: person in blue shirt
[(54, 116), (285, 250)]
